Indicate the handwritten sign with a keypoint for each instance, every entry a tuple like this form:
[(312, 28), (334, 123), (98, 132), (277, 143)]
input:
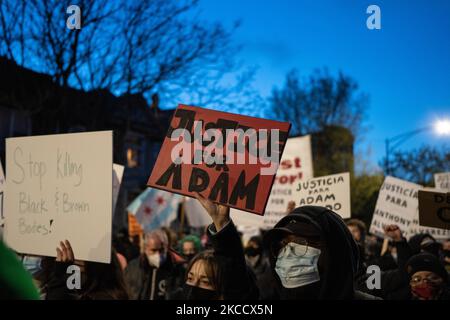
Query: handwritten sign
[(295, 166), (2, 187), (398, 204), (332, 192), (228, 158), (116, 181), (437, 233), (434, 209), (442, 180), (60, 187)]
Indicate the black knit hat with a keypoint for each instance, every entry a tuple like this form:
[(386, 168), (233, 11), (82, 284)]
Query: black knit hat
[(426, 262)]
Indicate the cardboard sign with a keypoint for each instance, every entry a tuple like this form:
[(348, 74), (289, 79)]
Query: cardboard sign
[(116, 181), (2, 187), (295, 166), (442, 180), (398, 204), (228, 158), (60, 187), (332, 192), (434, 209)]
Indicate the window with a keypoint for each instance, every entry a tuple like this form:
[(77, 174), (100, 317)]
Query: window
[(132, 158)]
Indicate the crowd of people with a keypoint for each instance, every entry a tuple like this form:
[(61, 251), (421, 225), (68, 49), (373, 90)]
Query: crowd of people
[(311, 253)]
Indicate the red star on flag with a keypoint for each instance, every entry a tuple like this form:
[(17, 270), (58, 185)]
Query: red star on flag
[(160, 200), (147, 210)]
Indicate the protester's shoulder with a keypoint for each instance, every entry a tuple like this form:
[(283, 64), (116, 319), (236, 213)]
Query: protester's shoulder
[(133, 264), (359, 295)]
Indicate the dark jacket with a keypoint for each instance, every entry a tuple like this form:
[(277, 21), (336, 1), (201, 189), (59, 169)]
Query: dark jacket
[(56, 288), (239, 280), (264, 278), (337, 280), (395, 283), (146, 282)]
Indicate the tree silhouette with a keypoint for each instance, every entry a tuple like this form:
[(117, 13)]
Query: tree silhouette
[(318, 102), (127, 47), (419, 165)]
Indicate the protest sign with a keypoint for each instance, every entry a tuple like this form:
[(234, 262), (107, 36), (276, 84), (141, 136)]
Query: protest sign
[(434, 209), (116, 181), (442, 180), (228, 158), (332, 192), (2, 187), (60, 187), (437, 233), (295, 166), (397, 203)]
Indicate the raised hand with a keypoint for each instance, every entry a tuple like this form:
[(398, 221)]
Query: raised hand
[(64, 253), (219, 213), (393, 232)]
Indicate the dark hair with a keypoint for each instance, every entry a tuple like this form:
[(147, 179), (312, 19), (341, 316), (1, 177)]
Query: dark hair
[(105, 280), (214, 268), (361, 227)]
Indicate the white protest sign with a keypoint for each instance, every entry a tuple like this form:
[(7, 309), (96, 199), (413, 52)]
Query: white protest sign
[(2, 187), (398, 204), (116, 181), (60, 187), (296, 165), (332, 192), (437, 233), (442, 181)]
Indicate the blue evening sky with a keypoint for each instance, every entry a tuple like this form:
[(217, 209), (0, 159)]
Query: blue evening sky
[(404, 67)]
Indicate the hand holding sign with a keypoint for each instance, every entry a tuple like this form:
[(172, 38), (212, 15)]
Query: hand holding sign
[(65, 252), (219, 213), (393, 232)]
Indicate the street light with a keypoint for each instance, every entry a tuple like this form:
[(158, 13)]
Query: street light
[(441, 127)]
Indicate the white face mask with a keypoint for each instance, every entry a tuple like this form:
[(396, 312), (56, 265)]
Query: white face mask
[(154, 259), (297, 265)]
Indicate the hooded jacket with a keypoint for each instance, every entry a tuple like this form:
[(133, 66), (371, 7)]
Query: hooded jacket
[(337, 280), (146, 282)]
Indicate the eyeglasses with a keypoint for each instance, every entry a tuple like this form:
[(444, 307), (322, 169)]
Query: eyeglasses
[(430, 279), (299, 251)]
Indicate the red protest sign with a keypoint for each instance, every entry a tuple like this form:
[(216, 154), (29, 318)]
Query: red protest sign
[(228, 158)]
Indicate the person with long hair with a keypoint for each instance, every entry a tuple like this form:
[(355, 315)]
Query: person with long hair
[(220, 273)]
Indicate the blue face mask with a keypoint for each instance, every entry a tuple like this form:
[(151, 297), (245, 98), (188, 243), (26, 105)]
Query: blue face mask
[(32, 264), (297, 265)]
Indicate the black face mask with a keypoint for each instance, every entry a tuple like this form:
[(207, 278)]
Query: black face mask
[(197, 293), (252, 252), (189, 256)]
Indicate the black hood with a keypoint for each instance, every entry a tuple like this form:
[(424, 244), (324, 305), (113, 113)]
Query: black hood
[(343, 252)]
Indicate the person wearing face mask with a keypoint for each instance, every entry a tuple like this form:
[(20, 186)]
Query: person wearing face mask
[(424, 242), (395, 283), (158, 273), (190, 245), (428, 278), (314, 256), (220, 273), (259, 264)]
